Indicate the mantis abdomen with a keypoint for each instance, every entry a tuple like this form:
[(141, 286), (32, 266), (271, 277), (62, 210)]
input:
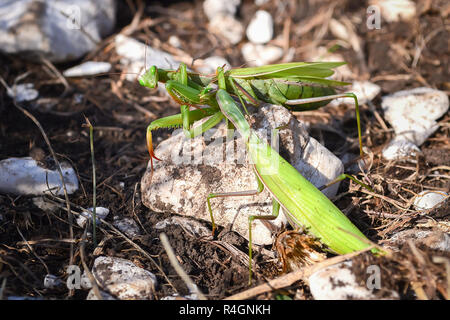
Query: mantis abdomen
[(279, 92)]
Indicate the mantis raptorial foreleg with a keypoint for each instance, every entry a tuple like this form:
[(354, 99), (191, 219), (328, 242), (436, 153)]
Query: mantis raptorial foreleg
[(177, 120)]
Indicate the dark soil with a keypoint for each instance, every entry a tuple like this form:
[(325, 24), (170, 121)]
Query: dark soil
[(34, 242)]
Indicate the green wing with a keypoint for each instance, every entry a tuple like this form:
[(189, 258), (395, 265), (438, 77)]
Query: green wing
[(289, 71)]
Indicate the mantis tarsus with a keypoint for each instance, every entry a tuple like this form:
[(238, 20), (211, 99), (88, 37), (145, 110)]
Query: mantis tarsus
[(297, 86), (303, 204)]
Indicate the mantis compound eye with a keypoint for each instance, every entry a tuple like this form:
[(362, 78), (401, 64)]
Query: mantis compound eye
[(153, 76)]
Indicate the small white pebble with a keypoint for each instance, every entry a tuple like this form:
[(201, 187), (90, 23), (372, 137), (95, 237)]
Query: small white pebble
[(70, 133), (174, 41), (365, 91), (259, 55), (429, 199), (210, 64), (44, 205), (338, 282), (213, 8), (413, 113), (78, 98), (228, 27), (260, 29), (23, 92), (136, 57), (24, 176), (100, 213), (123, 279), (400, 148), (85, 282), (88, 68), (51, 281), (395, 10)]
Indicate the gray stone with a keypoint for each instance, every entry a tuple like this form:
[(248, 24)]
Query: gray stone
[(337, 282), (213, 8), (258, 55), (227, 27), (413, 114), (100, 213), (127, 226), (88, 68), (123, 279), (61, 30), (51, 281), (428, 199), (260, 29), (23, 92), (25, 176), (432, 239)]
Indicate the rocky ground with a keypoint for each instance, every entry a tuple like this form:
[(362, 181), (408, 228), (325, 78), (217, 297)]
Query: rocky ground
[(405, 135)]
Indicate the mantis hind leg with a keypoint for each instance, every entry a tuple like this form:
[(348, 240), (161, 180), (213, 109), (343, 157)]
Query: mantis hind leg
[(259, 189), (345, 176), (331, 97), (273, 216), (275, 211)]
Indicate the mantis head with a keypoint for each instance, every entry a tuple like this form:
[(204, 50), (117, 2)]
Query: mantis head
[(150, 78)]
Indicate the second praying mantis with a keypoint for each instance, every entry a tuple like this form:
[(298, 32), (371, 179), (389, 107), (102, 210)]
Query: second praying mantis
[(298, 86), (304, 204)]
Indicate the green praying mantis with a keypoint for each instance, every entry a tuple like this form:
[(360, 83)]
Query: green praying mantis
[(303, 204), (298, 86), (301, 201)]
